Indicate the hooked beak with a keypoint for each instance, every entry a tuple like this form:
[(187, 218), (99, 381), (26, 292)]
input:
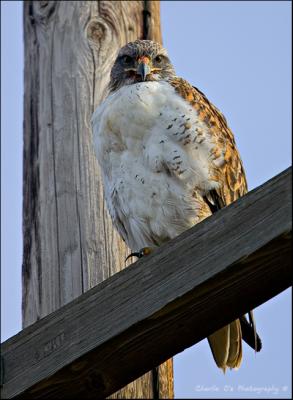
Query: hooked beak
[(143, 68)]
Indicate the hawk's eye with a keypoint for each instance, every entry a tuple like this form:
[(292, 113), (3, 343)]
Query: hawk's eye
[(158, 59), (126, 60)]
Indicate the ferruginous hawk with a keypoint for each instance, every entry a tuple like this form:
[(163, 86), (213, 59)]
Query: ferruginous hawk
[(168, 160)]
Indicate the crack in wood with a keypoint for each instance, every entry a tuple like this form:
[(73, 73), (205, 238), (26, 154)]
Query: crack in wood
[(54, 159), (146, 16)]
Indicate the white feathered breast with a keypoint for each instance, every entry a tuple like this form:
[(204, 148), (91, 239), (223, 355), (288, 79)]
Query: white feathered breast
[(155, 157)]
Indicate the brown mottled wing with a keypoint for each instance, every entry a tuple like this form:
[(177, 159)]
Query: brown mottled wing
[(230, 174)]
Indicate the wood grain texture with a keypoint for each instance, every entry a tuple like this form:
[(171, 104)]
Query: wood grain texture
[(69, 241), (208, 276)]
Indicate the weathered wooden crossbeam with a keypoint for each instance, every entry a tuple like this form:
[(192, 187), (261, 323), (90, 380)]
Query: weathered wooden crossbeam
[(218, 270)]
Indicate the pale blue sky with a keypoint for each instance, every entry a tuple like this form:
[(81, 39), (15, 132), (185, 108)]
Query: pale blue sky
[(239, 55)]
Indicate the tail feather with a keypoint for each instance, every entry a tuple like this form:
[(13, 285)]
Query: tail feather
[(219, 342), (249, 333), (235, 350), (226, 346), (252, 323)]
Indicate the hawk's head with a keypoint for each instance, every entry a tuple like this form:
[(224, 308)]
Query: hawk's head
[(142, 60)]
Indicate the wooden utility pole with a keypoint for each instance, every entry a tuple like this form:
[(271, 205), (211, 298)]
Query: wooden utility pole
[(69, 242)]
